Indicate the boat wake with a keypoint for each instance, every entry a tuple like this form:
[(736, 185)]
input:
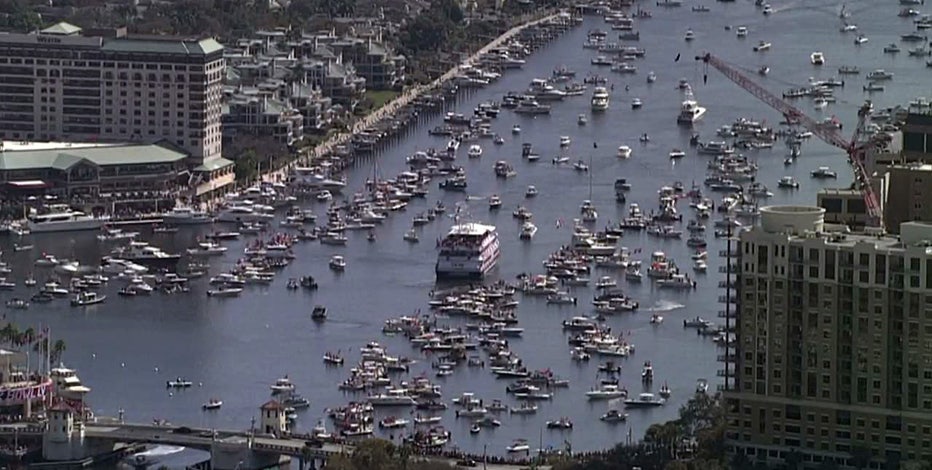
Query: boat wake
[(664, 306)]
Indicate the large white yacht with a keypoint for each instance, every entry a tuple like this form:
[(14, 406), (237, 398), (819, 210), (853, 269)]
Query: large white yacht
[(244, 213), (60, 218), (311, 178), (396, 397), (690, 111), (469, 250), (185, 215), (599, 100), (67, 384), (147, 255)]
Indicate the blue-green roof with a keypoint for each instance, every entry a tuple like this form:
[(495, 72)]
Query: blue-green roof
[(64, 158), (213, 164), (163, 46)]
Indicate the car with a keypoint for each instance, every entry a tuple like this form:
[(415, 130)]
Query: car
[(469, 463)]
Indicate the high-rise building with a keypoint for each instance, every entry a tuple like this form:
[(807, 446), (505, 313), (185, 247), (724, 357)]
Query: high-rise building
[(833, 343), (59, 85), (909, 196)]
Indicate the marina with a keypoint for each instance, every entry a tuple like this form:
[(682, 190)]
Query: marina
[(604, 281)]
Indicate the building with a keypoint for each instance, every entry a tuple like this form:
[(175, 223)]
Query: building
[(832, 350), (909, 196), (373, 61), (261, 116), (917, 137), (92, 169), (843, 206), (60, 85), (273, 418)]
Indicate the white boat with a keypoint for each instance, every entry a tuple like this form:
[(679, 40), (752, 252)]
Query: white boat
[(741, 31), (531, 191), (860, 39), (225, 291), (519, 445), (323, 195), (185, 215), (689, 36), (475, 151), (392, 422), (624, 151), (61, 218), (788, 182), (677, 153), (600, 99), (207, 249), (651, 77), (644, 400), (411, 236), (393, 397), (565, 141), (762, 46), (244, 213), (212, 404), (817, 58), (528, 230), (702, 386), (656, 319), (47, 261), (606, 392), (879, 74), (690, 111), (87, 298), (636, 103), (823, 172), (151, 457), (468, 250), (515, 129), (524, 409), (582, 120), (614, 416), (337, 263)]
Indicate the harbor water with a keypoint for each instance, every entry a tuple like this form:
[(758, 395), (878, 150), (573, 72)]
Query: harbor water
[(233, 349)]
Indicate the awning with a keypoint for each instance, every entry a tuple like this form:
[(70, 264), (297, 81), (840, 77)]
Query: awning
[(28, 184)]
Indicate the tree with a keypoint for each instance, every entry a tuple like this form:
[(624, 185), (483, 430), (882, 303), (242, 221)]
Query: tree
[(861, 457)]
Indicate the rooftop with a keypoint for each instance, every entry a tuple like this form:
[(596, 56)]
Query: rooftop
[(163, 46), (61, 155), (471, 228)]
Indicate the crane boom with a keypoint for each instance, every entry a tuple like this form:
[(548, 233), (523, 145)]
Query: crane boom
[(827, 133)]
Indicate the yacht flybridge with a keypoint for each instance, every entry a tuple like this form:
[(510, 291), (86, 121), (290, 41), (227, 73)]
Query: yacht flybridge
[(690, 111)]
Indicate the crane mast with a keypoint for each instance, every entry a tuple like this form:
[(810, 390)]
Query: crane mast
[(828, 134)]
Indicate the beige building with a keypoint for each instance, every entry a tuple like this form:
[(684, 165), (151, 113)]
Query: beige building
[(833, 352), (909, 196), (60, 85)]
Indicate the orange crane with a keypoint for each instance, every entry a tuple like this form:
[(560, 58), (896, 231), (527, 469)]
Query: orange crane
[(855, 147)]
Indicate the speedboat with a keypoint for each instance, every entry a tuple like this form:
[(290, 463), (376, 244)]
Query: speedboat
[(528, 230), (411, 236), (606, 392), (87, 298), (519, 445), (225, 291), (47, 260), (823, 172), (212, 404), (495, 202), (689, 36), (179, 383), (207, 249), (624, 151), (516, 129), (475, 151), (282, 385), (644, 400), (762, 46), (392, 422), (677, 153), (613, 416), (788, 182), (636, 103), (337, 263), (582, 120), (531, 191), (817, 58), (564, 141)]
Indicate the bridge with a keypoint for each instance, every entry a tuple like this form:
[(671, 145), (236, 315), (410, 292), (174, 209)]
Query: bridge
[(229, 449)]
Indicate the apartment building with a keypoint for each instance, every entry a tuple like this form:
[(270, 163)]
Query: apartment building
[(60, 85), (909, 196), (833, 352), (262, 116)]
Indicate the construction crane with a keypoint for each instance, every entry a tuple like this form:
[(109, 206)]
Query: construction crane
[(855, 148)]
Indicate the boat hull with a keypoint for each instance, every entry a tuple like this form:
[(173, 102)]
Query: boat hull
[(66, 226)]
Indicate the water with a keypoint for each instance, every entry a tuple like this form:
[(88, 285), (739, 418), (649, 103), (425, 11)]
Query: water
[(234, 348)]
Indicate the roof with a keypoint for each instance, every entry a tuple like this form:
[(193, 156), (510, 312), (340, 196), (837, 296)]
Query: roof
[(471, 228), (65, 157), (272, 405), (63, 28), (213, 164), (163, 46)]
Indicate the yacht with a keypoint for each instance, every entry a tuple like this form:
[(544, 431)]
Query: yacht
[(528, 230), (67, 384), (860, 39), (243, 213), (677, 153), (394, 397), (519, 445), (624, 151), (475, 151), (207, 249), (741, 31), (788, 182), (644, 400), (606, 392), (600, 99), (337, 263), (817, 58), (565, 141), (468, 250), (823, 172), (636, 103), (184, 215), (141, 253), (282, 385), (61, 218), (87, 298), (879, 74), (690, 111)]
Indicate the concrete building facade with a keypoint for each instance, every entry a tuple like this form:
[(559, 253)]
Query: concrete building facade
[(59, 85), (909, 197), (833, 356)]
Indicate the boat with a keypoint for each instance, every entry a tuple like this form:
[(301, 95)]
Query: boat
[(185, 215), (495, 202), (613, 416), (561, 423), (690, 111), (333, 358), (469, 250), (788, 182), (860, 39), (677, 153), (151, 457), (600, 99), (624, 151), (817, 58), (61, 218), (582, 120), (565, 141), (741, 31), (225, 291), (873, 87), (689, 36), (665, 391), (515, 129), (879, 75), (519, 445), (179, 383), (762, 46), (17, 304), (207, 248), (392, 422), (528, 230), (139, 253), (636, 103), (319, 313), (606, 392), (212, 404), (823, 172), (644, 400), (701, 9), (411, 236), (282, 385), (86, 298), (391, 397), (337, 263), (651, 77), (656, 319), (475, 151)]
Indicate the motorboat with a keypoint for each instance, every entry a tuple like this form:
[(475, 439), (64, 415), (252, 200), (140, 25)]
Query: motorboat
[(337, 263), (823, 172), (636, 103), (600, 99), (212, 404), (319, 313), (606, 392), (644, 400), (651, 77), (560, 423), (519, 445), (531, 191), (762, 46), (613, 416), (179, 383), (17, 304), (524, 409), (873, 87), (690, 111), (86, 298), (207, 248), (879, 75), (656, 319), (528, 230), (332, 358), (515, 129), (788, 182), (677, 153), (185, 215), (411, 236), (741, 31), (689, 36), (225, 291), (475, 151), (582, 120), (860, 39), (624, 151), (665, 391), (47, 261), (495, 202), (817, 58), (392, 422), (564, 141)]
